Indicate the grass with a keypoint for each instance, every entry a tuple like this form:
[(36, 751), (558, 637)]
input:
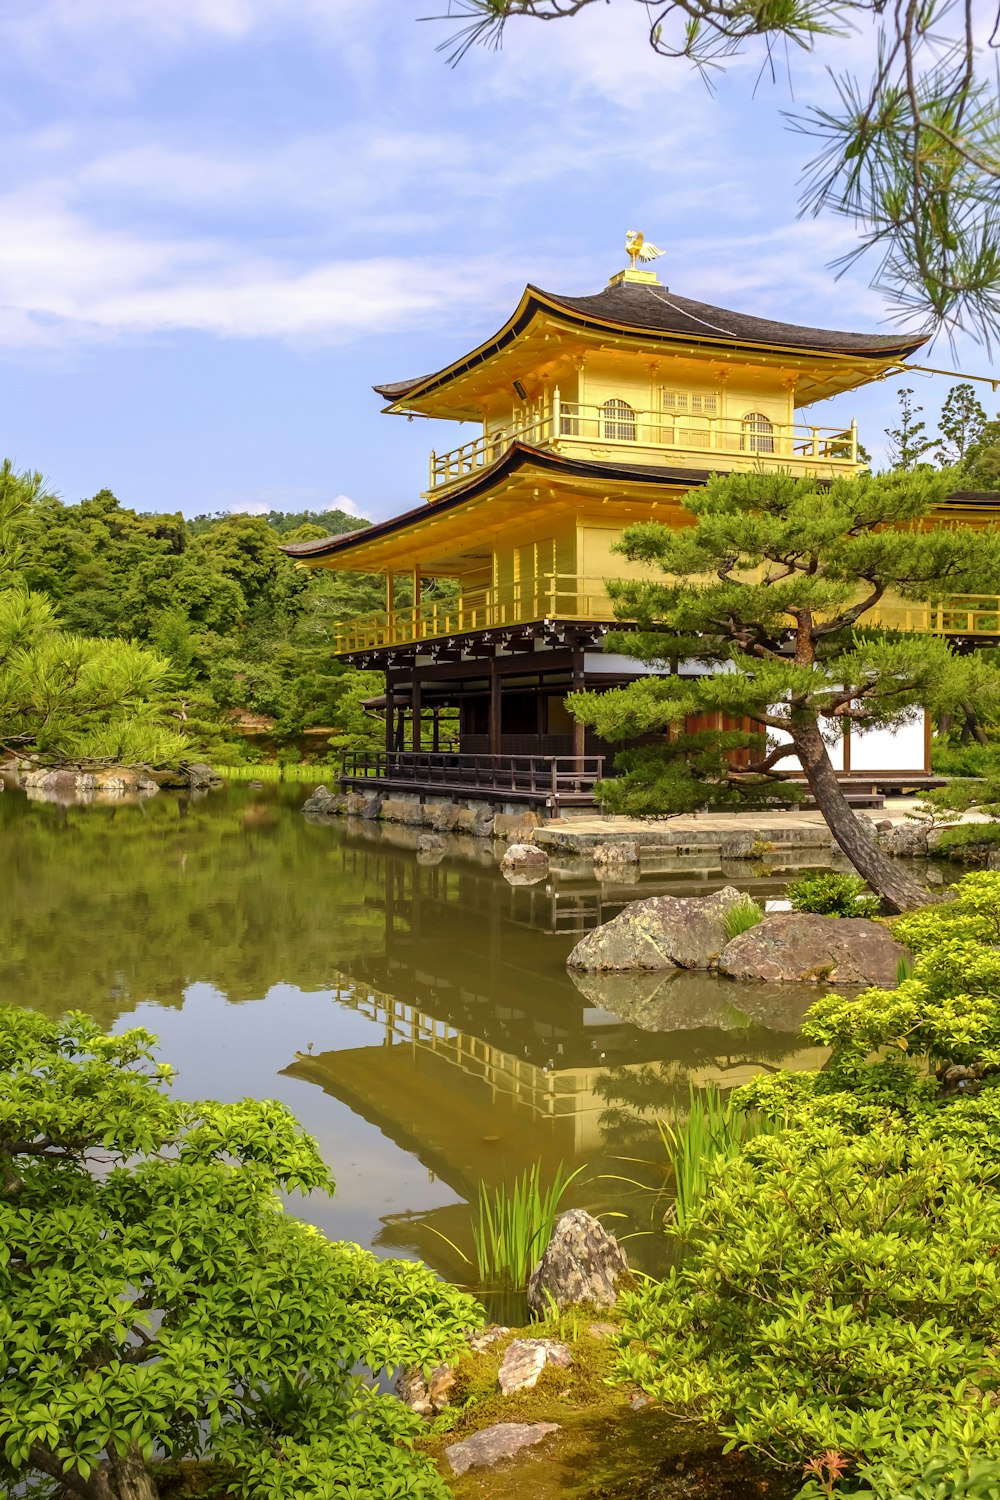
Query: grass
[(512, 1227), (741, 916), (712, 1130), (967, 833), (310, 772)]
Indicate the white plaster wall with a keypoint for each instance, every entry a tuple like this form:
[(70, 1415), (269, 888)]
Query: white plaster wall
[(899, 748)]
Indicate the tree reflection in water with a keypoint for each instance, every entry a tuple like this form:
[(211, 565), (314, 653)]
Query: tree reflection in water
[(429, 1002)]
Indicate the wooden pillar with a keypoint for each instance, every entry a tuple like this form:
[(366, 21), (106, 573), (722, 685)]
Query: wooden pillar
[(415, 710), (579, 730), (390, 709), (436, 730), (416, 601), (494, 707)]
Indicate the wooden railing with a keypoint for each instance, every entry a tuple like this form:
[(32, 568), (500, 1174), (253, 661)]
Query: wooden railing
[(551, 779), (565, 596), (723, 442), (549, 596)]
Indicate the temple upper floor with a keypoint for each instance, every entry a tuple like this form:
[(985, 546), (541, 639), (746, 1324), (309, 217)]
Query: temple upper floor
[(638, 374)]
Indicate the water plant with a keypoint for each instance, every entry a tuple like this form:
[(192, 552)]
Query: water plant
[(512, 1225), (741, 916), (714, 1129), (832, 895)]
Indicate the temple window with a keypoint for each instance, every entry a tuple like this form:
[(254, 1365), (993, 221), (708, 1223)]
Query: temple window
[(758, 433), (698, 403), (618, 422)]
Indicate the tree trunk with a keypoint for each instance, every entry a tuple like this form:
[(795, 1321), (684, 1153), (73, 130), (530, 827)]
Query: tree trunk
[(882, 873), (125, 1478)]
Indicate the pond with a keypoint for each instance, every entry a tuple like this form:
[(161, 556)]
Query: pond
[(417, 1017)]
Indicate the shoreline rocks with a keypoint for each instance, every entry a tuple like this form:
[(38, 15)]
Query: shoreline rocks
[(492, 1445), (663, 932), (801, 947)]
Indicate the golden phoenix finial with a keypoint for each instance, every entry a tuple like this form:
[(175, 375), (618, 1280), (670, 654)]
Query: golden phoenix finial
[(639, 248)]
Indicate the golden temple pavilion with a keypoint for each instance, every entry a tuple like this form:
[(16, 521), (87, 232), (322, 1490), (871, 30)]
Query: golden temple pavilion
[(590, 413)]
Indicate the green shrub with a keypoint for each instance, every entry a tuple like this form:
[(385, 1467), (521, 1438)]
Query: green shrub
[(714, 1129), (155, 1300), (833, 895), (741, 916), (964, 760), (914, 1475), (962, 835), (837, 1293)]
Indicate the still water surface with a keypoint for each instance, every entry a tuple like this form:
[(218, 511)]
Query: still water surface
[(417, 1017)]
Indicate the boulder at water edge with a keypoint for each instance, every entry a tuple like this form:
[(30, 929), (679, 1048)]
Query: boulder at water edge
[(582, 1263), (524, 857), (324, 804), (665, 932), (905, 840), (798, 946)]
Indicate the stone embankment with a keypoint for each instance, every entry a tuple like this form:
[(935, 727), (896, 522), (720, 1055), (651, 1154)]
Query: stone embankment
[(439, 814), (78, 784)]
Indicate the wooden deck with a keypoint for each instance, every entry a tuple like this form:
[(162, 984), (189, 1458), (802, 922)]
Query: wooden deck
[(546, 780)]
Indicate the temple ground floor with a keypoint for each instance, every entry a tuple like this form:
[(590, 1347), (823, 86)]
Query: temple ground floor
[(483, 719)]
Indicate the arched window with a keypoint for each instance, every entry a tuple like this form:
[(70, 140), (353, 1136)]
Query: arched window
[(618, 422), (758, 433)]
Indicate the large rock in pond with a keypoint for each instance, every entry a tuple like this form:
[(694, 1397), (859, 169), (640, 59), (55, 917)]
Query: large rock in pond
[(324, 804), (801, 947), (582, 1263), (491, 1446), (664, 932), (905, 841)]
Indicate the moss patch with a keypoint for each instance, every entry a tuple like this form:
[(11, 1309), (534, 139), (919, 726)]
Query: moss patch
[(605, 1449)]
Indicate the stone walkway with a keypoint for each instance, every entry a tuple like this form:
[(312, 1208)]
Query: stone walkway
[(806, 829)]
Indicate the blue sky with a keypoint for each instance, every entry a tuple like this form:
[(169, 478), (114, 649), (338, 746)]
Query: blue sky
[(224, 219)]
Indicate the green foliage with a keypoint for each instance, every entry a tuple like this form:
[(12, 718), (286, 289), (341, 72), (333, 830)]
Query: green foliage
[(513, 1225), (965, 834), (61, 694), (908, 443), (946, 1475), (837, 1293), (964, 760), (832, 895), (769, 589), (741, 916), (961, 424), (155, 1299)]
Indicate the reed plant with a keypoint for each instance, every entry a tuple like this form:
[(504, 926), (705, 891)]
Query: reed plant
[(741, 916), (713, 1129), (309, 773), (512, 1226)]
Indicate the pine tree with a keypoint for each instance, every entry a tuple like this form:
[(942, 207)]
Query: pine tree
[(908, 443), (961, 425), (769, 597)]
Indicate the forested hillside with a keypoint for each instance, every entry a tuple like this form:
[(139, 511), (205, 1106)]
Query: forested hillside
[(247, 635)]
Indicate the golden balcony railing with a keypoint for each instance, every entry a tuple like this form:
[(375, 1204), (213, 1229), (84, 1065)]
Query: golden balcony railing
[(567, 596), (552, 596), (618, 430)]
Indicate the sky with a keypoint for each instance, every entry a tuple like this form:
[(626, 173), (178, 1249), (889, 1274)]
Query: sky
[(224, 220)]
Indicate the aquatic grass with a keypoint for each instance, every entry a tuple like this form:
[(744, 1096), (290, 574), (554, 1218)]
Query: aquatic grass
[(306, 772), (741, 916), (713, 1129), (512, 1226)]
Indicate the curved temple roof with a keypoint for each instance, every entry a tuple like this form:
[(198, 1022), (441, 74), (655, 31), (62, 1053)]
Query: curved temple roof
[(656, 311)]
